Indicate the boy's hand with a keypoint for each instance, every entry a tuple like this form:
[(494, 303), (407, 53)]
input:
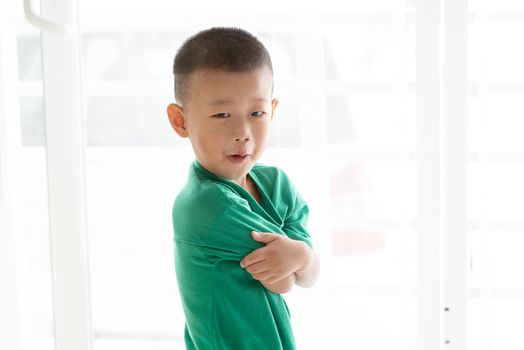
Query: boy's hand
[(280, 258)]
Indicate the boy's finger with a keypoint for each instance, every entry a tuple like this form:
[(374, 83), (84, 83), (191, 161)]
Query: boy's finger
[(252, 258), (263, 276), (264, 237), (257, 268), (274, 279)]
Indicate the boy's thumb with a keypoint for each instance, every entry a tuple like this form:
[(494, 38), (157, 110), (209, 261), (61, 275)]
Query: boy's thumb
[(263, 237)]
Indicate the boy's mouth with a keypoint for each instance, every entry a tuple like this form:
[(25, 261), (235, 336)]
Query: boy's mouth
[(237, 158)]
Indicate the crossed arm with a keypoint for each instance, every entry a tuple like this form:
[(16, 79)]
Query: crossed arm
[(270, 256), (282, 263)]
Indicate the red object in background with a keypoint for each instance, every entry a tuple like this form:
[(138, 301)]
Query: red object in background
[(350, 186), (352, 178)]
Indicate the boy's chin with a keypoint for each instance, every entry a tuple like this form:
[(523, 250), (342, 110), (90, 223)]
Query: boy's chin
[(233, 171), (239, 175)]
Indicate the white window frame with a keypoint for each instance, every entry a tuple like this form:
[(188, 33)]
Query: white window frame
[(429, 333), (66, 175), (455, 151)]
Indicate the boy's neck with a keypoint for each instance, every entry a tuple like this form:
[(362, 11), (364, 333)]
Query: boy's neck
[(249, 185)]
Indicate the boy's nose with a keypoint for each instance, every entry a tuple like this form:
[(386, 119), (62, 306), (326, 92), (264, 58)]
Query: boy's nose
[(242, 132), (241, 139)]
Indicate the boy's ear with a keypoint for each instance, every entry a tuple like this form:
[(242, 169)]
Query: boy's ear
[(274, 104), (177, 120)]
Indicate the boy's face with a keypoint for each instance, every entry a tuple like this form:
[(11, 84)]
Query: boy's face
[(226, 115)]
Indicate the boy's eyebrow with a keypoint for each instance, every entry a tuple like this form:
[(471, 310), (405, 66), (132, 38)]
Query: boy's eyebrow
[(227, 102)]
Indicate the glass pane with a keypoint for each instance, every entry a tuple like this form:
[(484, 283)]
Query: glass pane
[(340, 127), (477, 325), (30, 76), (496, 6), (35, 300), (372, 122), (506, 320), (372, 191), (497, 259), (381, 257), (506, 259), (129, 121), (377, 50), (130, 235), (130, 56), (29, 57), (496, 54), (345, 321), (496, 122), (285, 127), (32, 121), (495, 191), (282, 48), (495, 324)]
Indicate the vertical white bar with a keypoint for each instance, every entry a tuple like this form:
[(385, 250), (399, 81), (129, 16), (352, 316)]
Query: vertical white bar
[(429, 334), (9, 137), (483, 94), (400, 28), (9, 329), (455, 83), (65, 166)]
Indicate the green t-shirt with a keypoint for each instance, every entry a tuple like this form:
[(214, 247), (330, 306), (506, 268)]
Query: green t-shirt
[(225, 308)]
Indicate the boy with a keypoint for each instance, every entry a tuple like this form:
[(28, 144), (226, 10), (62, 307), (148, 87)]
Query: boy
[(239, 227)]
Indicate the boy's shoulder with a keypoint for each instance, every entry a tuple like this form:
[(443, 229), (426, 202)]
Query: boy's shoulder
[(198, 205), (274, 179), (205, 191), (269, 173)]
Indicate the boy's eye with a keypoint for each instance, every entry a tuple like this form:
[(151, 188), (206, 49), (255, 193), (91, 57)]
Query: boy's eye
[(221, 115), (258, 114)]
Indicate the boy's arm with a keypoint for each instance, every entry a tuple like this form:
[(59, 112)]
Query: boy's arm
[(229, 239), (308, 275), (305, 278), (280, 258)]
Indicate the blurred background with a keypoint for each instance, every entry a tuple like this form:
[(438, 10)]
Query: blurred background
[(351, 130)]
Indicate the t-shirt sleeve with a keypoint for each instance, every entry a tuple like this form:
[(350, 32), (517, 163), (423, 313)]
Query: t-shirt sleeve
[(295, 224), (229, 237)]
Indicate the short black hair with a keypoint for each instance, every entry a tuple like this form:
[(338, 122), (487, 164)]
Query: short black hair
[(221, 48)]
